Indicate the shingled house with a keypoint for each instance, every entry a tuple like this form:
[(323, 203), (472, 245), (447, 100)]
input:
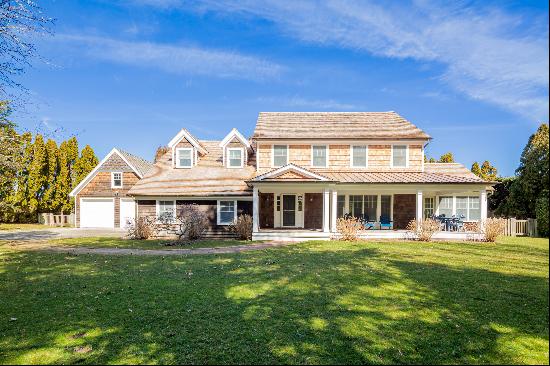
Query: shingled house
[(296, 175)]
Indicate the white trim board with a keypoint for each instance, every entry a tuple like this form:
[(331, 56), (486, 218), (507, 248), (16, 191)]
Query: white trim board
[(290, 167), (192, 140), (235, 133), (92, 174)]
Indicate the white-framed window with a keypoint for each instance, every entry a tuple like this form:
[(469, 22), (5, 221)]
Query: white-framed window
[(428, 207), (235, 157), (446, 206), (184, 157), (319, 156), (227, 212), (359, 155), (116, 180), (166, 209), (400, 156), (280, 155)]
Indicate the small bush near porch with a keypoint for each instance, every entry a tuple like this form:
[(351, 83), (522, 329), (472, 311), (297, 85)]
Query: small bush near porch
[(317, 302)]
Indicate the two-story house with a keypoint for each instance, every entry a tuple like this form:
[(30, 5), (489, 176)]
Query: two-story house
[(296, 175)]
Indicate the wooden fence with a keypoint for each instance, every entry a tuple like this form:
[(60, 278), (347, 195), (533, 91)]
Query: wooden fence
[(51, 219), (515, 227)]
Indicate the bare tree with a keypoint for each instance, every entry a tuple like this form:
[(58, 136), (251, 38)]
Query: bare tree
[(20, 22)]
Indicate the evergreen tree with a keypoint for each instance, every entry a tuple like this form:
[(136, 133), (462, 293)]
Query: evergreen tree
[(52, 169), (37, 174), (447, 158), (488, 172), (21, 198), (476, 169), (10, 162), (85, 164), (63, 181)]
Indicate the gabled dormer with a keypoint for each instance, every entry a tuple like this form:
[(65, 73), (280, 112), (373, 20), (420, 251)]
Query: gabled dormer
[(185, 149), (235, 149)]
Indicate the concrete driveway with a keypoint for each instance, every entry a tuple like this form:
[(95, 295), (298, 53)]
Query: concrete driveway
[(59, 233)]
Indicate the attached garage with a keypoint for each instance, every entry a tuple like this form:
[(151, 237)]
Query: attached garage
[(97, 212)]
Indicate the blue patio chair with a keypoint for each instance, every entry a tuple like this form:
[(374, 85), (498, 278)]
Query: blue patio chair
[(367, 224), (385, 222)]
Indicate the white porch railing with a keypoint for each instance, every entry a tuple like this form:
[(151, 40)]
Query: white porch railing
[(515, 227)]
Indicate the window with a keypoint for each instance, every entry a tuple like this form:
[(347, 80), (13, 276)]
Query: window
[(278, 203), (227, 212), (428, 207), (399, 156), (370, 207), (184, 157), (166, 209), (462, 207), (235, 157), (116, 180), (446, 206), (359, 156), (319, 156), (385, 206), (280, 155), (474, 209), (341, 205), (356, 206)]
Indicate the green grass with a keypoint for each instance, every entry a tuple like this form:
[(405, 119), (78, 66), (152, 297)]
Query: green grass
[(317, 302), (99, 242), (4, 226)]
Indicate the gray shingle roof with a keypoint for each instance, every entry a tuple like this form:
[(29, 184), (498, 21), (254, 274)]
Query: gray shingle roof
[(335, 125), (142, 166)]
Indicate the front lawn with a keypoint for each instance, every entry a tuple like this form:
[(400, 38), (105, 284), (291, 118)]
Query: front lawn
[(100, 242), (316, 302), (10, 226)]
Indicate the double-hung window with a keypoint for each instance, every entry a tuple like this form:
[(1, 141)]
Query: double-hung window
[(428, 207), (359, 156), (280, 155), (235, 157), (400, 156), (227, 212), (184, 157), (319, 158), (166, 210), (446, 206), (116, 180)]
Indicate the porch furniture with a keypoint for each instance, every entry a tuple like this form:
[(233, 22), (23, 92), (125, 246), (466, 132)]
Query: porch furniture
[(385, 222), (368, 224)]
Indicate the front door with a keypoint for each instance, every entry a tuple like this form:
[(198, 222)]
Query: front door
[(289, 210)]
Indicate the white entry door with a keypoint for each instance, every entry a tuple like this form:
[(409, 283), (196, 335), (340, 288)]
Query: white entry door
[(127, 211), (97, 212)]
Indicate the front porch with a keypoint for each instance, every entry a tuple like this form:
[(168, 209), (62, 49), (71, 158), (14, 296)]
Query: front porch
[(308, 211)]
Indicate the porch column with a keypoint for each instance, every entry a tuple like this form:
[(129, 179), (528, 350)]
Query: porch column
[(255, 210), (326, 211), (483, 205), (419, 206), (334, 210)]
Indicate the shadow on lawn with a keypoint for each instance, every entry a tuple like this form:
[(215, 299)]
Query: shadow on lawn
[(279, 306)]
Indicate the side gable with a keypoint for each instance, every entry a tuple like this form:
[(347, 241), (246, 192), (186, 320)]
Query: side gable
[(113, 161), (291, 172)]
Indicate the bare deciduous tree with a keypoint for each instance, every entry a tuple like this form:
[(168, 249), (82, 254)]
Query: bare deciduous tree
[(20, 22)]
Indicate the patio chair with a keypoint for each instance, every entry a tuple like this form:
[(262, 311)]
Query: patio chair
[(385, 222), (367, 224)]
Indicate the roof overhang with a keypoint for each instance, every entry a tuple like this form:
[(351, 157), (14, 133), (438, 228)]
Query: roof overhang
[(184, 134), (290, 168), (92, 174)]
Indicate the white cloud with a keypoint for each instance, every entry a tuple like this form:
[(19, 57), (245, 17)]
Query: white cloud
[(176, 59), (488, 54)]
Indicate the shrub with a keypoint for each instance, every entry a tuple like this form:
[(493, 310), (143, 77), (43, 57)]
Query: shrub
[(348, 228), (142, 228), (492, 228), (190, 222), (242, 227), (542, 216), (424, 230)]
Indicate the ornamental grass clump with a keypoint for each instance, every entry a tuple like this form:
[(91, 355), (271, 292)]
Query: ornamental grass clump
[(424, 230), (348, 228), (492, 228), (242, 227)]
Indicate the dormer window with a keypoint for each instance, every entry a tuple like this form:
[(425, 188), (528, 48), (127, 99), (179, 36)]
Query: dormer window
[(235, 157), (116, 180), (400, 156), (184, 157)]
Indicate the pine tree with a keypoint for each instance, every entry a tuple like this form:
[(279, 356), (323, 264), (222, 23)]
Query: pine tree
[(85, 164), (447, 158), (488, 172), (37, 174), (52, 169), (11, 153), (21, 199), (63, 181), (476, 169)]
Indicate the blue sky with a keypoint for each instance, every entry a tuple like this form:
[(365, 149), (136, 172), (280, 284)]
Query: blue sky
[(131, 73)]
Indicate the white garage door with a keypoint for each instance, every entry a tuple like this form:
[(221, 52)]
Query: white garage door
[(97, 212), (127, 211)]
